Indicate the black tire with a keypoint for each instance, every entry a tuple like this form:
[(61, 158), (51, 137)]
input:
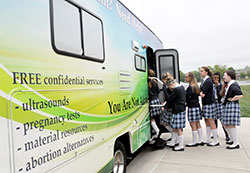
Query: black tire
[(120, 159)]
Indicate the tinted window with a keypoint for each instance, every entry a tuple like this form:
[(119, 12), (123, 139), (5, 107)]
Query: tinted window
[(167, 65)]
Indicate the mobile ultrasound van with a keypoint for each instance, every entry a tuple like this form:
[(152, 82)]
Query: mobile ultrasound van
[(73, 84)]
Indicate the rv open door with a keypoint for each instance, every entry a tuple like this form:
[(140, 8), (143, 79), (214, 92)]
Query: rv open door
[(167, 60)]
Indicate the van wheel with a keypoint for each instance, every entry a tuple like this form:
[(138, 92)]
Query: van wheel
[(119, 158)]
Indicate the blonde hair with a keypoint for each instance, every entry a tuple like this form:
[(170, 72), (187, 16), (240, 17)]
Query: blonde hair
[(193, 83)]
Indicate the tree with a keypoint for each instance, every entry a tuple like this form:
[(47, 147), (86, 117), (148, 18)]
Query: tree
[(232, 69), (197, 75), (248, 74), (182, 76), (242, 75)]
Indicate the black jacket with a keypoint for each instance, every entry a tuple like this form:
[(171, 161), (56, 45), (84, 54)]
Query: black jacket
[(168, 105), (154, 91), (207, 89), (218, 90), (178, 99), (233, 90), (192, 98)]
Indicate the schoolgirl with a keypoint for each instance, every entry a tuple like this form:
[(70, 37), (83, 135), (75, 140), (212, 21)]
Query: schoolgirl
[(218, 105), (155, 111), (167, 109), (208, 106), (231, 115), (178, 122), (194, 110)]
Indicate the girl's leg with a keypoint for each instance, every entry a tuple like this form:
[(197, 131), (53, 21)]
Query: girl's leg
[(234, 134), (180, 139), (200, 133), (208, 129), (194, 135), (173, 139), (154, 126), (214, 132)]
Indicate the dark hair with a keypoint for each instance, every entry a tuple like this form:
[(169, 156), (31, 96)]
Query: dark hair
[(231, 74), (209, 73), (217, 74)]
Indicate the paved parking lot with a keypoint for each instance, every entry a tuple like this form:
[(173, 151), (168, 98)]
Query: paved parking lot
[(198, 159)]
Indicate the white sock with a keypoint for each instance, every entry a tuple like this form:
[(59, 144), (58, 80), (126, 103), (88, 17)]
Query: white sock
[(168, 128), (153, 124), (181, 142), (194, 135), (208, 134), (200, 133), (235, 137), (173, 139), (214, 132), (229, 134)]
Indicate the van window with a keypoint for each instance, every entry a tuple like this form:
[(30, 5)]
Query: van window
[(167, 65), (67, 27), (92, 36), (76, 32), (140, 63)]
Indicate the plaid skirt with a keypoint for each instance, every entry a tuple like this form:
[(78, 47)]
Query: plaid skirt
[(167, 116), (218, 110), (231, 114), (194, 114), (208, 111), (179, 120), (155, 111)]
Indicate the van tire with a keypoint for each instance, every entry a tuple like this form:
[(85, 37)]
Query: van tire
[(120, 160)]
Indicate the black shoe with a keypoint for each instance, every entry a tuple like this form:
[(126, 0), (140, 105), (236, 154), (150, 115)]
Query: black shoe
[(169, 139), (227, 138), (210, 145), (201, 144), (229, 142), (232, 148), (179, 149), (191, 145)]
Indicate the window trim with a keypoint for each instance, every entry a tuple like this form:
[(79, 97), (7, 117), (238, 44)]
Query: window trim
[(173, 61), (142, 57), (62, 52)]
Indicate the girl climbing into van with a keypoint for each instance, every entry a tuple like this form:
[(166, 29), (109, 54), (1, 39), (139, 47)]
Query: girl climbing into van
[(178, 122)]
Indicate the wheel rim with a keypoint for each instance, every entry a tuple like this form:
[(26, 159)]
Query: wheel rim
[(118, 162)]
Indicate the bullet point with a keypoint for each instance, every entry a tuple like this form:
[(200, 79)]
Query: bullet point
[(18, 128), (19, 149), (20, 169), (17, 107)]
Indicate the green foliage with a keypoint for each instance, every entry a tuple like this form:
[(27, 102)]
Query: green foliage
[(242, 75), (245, 101), (248, 74), (182, 76), (197, 75)]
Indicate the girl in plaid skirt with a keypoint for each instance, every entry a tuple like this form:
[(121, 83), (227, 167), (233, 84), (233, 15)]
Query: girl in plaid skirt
[(154, 102), (208, 106), (194, 110), (231, 115), (218, 105), (178, 99)]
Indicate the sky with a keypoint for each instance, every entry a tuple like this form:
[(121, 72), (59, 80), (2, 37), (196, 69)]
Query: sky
[(205, 32)]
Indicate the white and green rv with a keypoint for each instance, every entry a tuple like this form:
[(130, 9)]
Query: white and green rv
[(73, 84)]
